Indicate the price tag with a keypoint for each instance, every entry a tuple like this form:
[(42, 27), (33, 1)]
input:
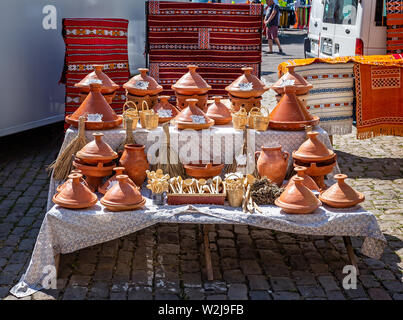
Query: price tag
[(248, 86), (94, 117), (162, 113), (198, 119), (142, 85)]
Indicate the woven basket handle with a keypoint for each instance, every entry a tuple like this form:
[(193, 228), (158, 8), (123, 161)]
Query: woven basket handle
[(142, 105), (254, 109), (129, 103)]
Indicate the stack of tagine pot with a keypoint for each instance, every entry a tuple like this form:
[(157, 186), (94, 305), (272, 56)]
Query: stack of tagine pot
[(191, 86), (246, 91), (108, 87), (141, 88)]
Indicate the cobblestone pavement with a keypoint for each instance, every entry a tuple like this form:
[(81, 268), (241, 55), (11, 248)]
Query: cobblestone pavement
[(166, 261)]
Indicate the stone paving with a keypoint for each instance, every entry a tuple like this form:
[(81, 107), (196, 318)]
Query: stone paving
[(166, 261)]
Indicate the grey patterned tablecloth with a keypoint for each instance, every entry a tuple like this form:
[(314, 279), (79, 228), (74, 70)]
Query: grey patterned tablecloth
[(64, 231)]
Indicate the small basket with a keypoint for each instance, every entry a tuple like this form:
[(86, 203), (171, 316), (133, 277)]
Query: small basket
[(151, 120), (143, 112), (261, 121), (254, 112), (235, 195), (131, 113), (240, 119)]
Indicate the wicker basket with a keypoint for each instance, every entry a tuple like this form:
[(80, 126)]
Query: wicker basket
[(261, 122), (240, 119), (235, 192), (143, 112), (151, 120), (131, 113), (254, 112)]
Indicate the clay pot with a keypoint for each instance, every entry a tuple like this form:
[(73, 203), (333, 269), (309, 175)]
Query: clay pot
[(60, 188), (94, 173), (247, 85), (95, 103), (134, 160), (302, 86), (313, 150), (289, 114), (96, 151), (184, 119), (317, 171), (165, 105), (119, 170), (107, 85), (341, 195), (75, 195), (142, 84), (297, 198), (272, 163), (308, 181), (219, 112), (203, 171), (191, 83), (123, 196)]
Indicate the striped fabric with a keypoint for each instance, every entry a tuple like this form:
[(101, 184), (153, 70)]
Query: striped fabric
[(331, 98), (394, 21), (94, 41), (219, 38)]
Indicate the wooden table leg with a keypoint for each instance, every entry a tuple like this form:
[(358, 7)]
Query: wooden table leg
[(331, 139), (57, 261), (207, 253), (350, 252)]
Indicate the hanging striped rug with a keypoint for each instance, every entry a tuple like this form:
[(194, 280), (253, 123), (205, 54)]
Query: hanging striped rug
[(394, 21)]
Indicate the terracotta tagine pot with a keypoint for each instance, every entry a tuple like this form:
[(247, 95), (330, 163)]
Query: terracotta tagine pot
[(317, 171), (313, 150), (142, 84), (94, 173), (134, 160), (164, 109), (193, 117), (191, 83), (219, 112), (97, 151), (123, 196), (247, 85), (297, 198), (272, 163), (95, 104), (112, 180), (302, 86), (308, 181), (75, 195), (203, 171), (107, 85), (289, 114), (60, 187), (341, 195)]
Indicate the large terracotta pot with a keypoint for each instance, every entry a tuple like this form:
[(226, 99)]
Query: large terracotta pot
[(302, 86), (247, 85), (191, 83), (185, 119), (97, 151), (272, 163), (142, 84), (108, 87), (219, 112), (135, 162), (165, 108)]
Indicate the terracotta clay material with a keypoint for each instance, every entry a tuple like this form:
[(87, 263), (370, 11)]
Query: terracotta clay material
[(272, 163), (308, 181), (313, 150), (94, 173), (297, 198), (289, 114), (181, 101), (142, 84), (239, 88), (108, 183), (203, 171), (123, 196), (75, 195), (191, 83), (165, 105), (317, 171), (134, 160), (219, 112), (184, 119), (302, 86), (97, 151), (108, 87), (341, 195), (95, 103), (60, 187)]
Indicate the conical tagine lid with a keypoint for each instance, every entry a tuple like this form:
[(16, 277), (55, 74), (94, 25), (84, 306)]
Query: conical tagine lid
[(191, 83), (313, 149), (192, 113), (97, 151), (308, 181), (107, 85), (302, 86), (163, 106), (143, 84), (341, 194), (219, 112), (247, 85)]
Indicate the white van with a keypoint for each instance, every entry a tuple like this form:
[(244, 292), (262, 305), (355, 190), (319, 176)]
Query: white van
[(346, 28)]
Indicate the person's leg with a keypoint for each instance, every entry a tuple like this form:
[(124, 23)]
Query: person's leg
[(270, 41), (277, 40), (274, 34)]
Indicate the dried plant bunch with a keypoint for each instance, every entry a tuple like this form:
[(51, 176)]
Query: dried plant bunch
[(264, 192)]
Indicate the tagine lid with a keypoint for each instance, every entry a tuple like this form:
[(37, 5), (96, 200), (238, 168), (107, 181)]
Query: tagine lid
[(107, 85), (291, 77), (192, 114), (296, 198), (341, 193), (97, 150), (143, 84), (191, 81), (218, 110), (308, 181), (247, 85), (164, 104), (313, 149), (75, 194), (123, 193)]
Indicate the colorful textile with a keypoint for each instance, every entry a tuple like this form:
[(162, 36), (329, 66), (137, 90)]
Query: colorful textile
[(219, 38), (394, 22), (94, 41), (379, 100)]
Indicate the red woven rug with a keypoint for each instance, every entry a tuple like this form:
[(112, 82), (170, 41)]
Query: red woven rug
[(219, 38), (94, 41), (394, 21)]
